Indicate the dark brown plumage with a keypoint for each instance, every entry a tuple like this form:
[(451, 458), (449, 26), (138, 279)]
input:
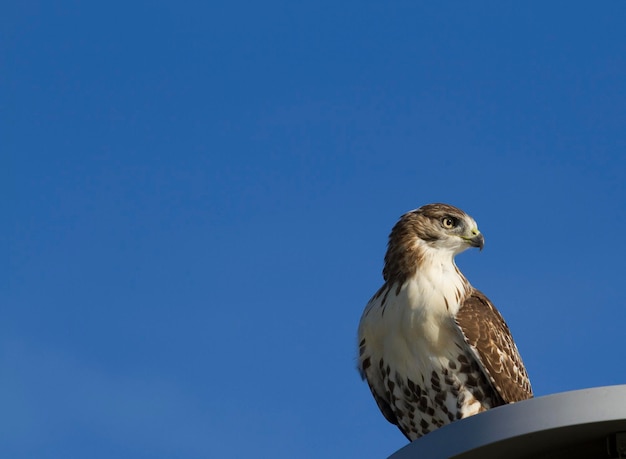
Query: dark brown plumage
[(489, 336)]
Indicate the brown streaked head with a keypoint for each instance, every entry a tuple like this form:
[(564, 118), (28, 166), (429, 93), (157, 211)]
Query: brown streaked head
[(437, 226)]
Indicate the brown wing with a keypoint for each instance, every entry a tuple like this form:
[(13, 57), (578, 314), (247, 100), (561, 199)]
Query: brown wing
[(491, 341)]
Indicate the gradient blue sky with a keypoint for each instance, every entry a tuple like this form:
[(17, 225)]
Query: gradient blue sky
[(197, 197)]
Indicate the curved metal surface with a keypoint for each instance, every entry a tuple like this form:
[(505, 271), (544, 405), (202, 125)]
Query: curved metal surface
[(569, 424)]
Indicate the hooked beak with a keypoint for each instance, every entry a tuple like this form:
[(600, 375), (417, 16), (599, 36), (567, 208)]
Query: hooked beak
[(477, 240)]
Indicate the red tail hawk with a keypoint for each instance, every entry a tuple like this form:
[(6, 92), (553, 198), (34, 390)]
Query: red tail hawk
[(432, 348)]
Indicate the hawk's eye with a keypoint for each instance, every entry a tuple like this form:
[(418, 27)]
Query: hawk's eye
[(448, 222)]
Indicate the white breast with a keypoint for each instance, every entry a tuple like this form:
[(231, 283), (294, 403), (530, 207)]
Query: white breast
[(412, 329), (417, 319)]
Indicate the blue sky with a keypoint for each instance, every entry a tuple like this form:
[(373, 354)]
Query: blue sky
[(197, 198)]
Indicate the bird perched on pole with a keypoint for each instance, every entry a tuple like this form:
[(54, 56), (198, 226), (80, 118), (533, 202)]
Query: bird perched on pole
[(432, 348)]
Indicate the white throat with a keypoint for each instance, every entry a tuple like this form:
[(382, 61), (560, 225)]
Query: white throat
[(437, 288)]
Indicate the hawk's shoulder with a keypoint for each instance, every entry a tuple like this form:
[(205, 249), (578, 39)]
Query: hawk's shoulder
[(489, 337)]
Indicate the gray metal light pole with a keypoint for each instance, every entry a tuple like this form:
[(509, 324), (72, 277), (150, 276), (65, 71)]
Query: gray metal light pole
[(585, 424)]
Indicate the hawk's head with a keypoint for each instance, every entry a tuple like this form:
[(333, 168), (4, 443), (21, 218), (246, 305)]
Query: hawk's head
[(441, 227)]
